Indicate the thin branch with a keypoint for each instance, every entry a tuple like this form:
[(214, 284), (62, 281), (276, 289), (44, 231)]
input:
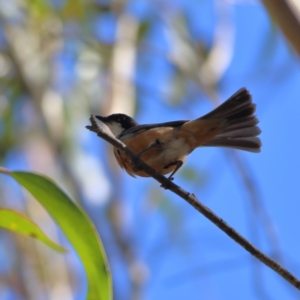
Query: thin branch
[(287, 20), (193, 201)]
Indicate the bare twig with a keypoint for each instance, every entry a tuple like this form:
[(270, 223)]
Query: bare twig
[(287, 20), (193, 201)]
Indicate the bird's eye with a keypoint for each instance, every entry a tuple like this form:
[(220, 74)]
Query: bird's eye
[(120, 119)]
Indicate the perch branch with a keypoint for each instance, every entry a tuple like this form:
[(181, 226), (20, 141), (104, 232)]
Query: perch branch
[(194, 202)]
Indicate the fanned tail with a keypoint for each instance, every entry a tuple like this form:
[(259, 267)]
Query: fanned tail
[(240, 130)]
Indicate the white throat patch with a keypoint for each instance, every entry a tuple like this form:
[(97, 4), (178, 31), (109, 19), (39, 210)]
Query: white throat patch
[(115, 128)]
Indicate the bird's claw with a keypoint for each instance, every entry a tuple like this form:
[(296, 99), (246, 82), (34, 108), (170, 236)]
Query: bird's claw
[(166, 185), (134, 165)]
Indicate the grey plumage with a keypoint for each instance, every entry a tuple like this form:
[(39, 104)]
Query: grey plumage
[(241, 130)]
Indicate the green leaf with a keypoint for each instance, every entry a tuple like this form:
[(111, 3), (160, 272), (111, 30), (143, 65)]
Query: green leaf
[(73, 9), (143, 30), (77, 227), (13, 221), (39, 9)]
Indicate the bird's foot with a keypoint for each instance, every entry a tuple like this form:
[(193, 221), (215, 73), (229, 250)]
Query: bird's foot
[(134, 164), (166, 185)]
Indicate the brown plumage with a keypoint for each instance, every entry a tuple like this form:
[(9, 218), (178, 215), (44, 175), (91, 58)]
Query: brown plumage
[(164, 146)]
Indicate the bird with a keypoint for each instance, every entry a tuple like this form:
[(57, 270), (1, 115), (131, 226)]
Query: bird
[(165, 146)]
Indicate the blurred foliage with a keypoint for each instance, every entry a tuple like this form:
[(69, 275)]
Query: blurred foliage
[(62, 60), (67, 214), (18, 223)]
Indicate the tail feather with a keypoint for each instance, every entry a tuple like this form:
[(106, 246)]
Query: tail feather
[(251, 144), (238, 102), (240, 130), (247, 122), (240, 133)]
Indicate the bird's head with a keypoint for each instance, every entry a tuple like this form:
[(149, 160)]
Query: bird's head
[(117, 123)]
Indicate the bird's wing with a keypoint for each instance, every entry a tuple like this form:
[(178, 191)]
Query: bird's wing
[(141, 128)]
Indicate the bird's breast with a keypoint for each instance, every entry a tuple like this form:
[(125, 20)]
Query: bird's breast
[(169, 148)]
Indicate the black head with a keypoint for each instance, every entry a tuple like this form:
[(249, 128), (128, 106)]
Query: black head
[(117, 123)]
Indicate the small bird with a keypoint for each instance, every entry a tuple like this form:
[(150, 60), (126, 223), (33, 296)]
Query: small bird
[(165, 146)]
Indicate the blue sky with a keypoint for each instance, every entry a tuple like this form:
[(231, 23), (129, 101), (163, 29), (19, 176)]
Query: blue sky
[(212, 265), (178, 253)]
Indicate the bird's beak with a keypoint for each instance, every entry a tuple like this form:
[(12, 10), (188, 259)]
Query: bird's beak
[(102, 119)]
